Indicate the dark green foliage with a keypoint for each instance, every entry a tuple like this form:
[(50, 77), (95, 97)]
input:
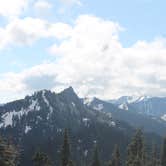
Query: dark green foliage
[(65, 152), (136, 155), (110, 163), (70, 163), (96, 161), (41, 159), (8, 154), (137, 162), (153, 159), (116, 161), (163, 155)]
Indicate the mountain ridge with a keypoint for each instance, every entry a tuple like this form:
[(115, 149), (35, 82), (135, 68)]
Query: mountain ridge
[(38, 121)]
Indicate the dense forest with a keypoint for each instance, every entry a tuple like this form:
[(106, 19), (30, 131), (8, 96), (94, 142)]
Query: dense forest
[(137, 154)]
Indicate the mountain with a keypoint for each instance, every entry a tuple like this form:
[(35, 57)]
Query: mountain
[(37, 122), (151, 106), (128, 113), (129, 99)]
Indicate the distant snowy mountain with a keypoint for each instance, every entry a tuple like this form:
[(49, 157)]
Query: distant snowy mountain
[(152, 106), (129, 99), (127, 111)]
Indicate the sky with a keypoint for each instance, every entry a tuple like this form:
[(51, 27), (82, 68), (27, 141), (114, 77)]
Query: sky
[(102, 48)]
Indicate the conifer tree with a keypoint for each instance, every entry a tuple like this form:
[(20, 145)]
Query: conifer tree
[(136, 150), (137, 161), (116, 157), (70, 163), (163, 155), (41, 159), (154, 161), (110, 163), (65, 152), (96, 161), (8, 154)]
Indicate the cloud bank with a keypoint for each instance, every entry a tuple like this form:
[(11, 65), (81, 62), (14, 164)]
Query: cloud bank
[(12, 8), (89, 56)]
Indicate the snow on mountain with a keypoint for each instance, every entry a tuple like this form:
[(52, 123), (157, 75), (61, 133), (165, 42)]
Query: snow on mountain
[(86, 121), (98, 107), (27, 129), (163, 117), (50, 106), (123, 106), (40, 119), (153, 107), (88, 100), (7, 118), (129, 99)]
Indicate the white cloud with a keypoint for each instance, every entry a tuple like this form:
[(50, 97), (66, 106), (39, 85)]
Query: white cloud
[(42, 5), (93, 61), (28, 30), (12, 8), (42, 8), (71, 2)]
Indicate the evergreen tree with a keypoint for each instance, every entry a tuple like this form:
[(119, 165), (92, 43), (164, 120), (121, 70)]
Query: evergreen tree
[(96, 161), (41, 159), (65, 152), (8, 154), (70, 163), (110, 163), (137, 161), (116, 157), (154, 161), (136, 150), (163, 156)]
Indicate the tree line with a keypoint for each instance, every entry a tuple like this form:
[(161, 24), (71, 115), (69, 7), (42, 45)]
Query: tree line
[(136, 154)]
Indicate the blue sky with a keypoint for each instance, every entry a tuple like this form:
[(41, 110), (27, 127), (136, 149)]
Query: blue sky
[(141, 26), (142, 20)]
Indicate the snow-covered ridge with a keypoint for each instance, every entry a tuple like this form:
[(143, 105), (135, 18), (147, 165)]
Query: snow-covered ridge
[(130, 99), (46, 101), (134, 99), (7, 118)]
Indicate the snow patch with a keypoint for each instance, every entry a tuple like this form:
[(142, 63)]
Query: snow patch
[(59, 130), (98, 107), (133, 99), (47, 102), (113, 123), (163, 117), (7, 118), (109, 114), (123, 106), (86, 153), (86, 121), (73, 104), (27, 129), (87, 101)]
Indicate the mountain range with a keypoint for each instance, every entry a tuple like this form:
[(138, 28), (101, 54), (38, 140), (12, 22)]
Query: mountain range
[(37, 122)]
